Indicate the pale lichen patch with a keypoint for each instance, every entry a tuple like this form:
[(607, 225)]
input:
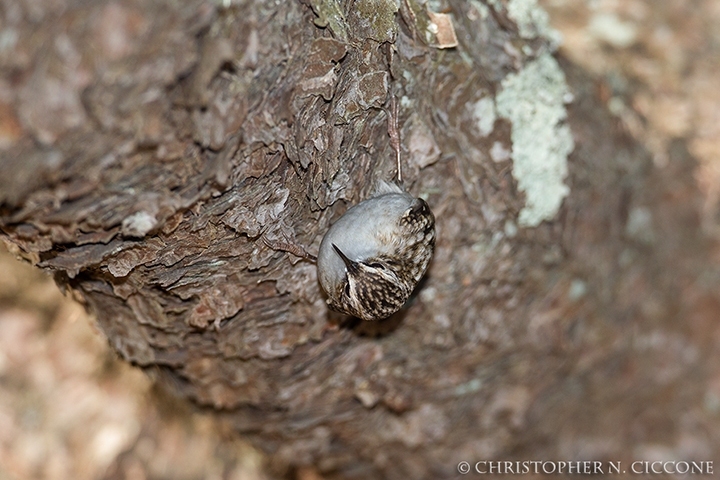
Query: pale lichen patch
[(533, 100), (138, 224), (532, 21), (607, 27), (483, 112)]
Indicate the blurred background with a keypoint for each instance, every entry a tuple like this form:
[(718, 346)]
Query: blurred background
[(70, 409)]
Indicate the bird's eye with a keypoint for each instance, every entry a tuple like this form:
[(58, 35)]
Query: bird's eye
[(377, 265), (347, 289)]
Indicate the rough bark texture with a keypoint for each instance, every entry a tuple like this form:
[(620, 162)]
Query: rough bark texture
[(150, 146)]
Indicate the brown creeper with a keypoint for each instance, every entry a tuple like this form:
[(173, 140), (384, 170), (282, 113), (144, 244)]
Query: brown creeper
[(372, 258)]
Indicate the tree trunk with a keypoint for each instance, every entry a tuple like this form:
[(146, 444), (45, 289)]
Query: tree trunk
[(152, 150)]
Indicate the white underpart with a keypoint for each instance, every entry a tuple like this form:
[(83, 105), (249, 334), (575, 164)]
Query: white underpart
[(362, 233)]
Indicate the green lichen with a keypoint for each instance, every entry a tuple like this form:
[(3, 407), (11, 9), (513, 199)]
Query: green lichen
[(378, 18), (533, 100), (329, 14)]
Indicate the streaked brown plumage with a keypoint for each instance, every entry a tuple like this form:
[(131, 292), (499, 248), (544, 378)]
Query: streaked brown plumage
[(372, 258)]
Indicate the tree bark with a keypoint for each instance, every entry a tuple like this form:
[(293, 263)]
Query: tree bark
[(151, 147)]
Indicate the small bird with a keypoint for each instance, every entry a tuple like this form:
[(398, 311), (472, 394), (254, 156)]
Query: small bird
[(372, 258)]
